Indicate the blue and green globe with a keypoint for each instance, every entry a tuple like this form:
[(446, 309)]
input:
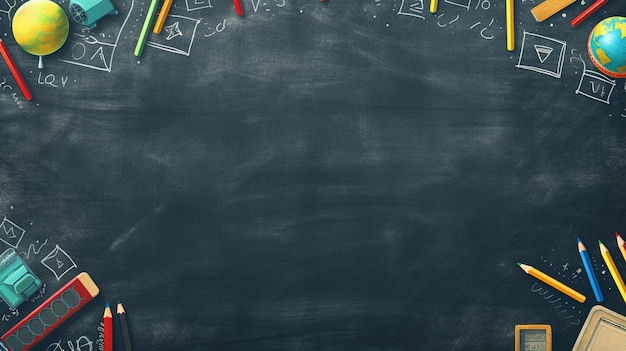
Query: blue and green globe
[(607, 46)]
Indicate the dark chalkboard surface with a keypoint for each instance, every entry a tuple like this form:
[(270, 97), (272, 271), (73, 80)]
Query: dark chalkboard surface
[(338, 175)]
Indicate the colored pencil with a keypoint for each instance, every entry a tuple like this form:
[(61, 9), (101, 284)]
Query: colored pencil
[(548, 8), (593, 280), (16, 73), (613, 269), (510, 25), (588, 12), (107, 319), (121, 315), (433, 6), (552, 282), (621, 244), (143, 36), (165, 9), (238, 7)]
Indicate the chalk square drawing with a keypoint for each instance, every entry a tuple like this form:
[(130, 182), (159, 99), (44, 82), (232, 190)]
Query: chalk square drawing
[(413, 8), (463, 4), (193, 5), (596, 86), (59, 262), (11, 234), (88, 51), (542, 54), (177, 36)]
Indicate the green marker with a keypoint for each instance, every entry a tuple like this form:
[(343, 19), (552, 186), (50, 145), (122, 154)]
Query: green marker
[(146, 28)]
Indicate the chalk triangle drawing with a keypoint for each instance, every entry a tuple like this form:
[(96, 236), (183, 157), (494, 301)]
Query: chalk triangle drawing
[(543, 52)]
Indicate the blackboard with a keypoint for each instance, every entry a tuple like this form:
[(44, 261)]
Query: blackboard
[(338, 175)]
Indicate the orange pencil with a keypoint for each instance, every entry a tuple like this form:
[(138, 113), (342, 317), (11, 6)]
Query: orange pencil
[(165, 9), (530, 270)]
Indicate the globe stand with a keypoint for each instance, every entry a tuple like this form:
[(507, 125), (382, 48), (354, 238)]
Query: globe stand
[(40, 64)]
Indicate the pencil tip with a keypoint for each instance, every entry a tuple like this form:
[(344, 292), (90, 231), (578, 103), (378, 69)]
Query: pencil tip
[(600, 242), (616, 234), (519, 264), (578, 240), (107, 305)]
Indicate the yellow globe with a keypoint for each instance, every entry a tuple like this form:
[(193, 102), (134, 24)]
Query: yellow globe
[(40, 27)]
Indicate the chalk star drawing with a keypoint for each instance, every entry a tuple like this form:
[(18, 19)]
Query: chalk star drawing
[(11, 233), (542, 54), (181, 33), (59, 262), (173, 31)]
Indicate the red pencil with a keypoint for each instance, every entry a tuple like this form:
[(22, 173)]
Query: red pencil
[(108, 328), (588, 11), (16, 73), (238, 7)]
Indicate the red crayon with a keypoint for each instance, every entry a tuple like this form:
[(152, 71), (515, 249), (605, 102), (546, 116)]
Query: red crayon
[(50, 314), (588, 11), (16, 73), (238, 7)]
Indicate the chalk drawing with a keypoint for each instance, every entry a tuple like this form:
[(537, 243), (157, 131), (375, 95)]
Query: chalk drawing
[(542, 54), (180, 32), (59, 262), (197, 5), (6, 6), (11, 234), (84, 49), (413, 8)]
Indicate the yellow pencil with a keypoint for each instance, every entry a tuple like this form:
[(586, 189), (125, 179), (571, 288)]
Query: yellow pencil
[(613, 269), (433, 5), (553, 282), (510, 26), (165, 9), (621, 244)]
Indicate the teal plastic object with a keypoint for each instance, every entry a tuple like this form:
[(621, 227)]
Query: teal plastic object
[(87, 12), (17, 282)]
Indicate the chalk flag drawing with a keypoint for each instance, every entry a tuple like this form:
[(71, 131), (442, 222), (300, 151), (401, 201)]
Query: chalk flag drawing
[(542, 54), (59, 262), (88, 51), (11, 234), (413, 8), (179, 31), (596, 86)]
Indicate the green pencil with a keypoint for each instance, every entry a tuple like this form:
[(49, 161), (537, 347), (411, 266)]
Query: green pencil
[(146, 27)]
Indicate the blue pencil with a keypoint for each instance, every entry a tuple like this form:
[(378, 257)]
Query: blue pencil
[(590, 273)]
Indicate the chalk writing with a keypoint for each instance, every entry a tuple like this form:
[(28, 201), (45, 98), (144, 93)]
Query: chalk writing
[(557, 304), (50, 79), (266, 5), (218, 28), (542, 54), (13, 313), (11, 234), (4, 86), (34, 250), (83, 343)]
